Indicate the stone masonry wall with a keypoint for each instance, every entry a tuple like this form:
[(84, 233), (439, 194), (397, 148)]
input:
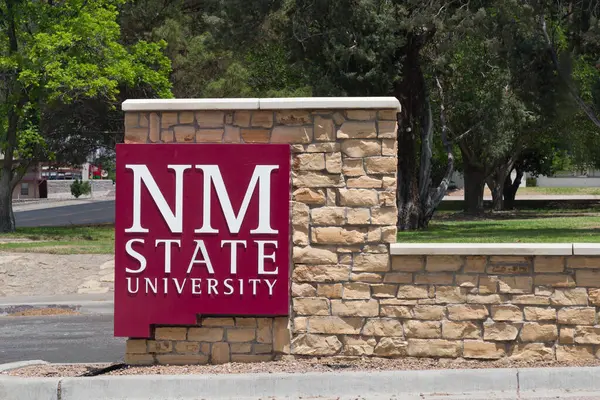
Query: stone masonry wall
[(343, 219)]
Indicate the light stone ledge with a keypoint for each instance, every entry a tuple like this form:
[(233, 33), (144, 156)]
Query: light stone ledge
[(505, 249), (586, 249), (291, 103)]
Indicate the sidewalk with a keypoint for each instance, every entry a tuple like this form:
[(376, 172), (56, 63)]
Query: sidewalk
[(52, 203)]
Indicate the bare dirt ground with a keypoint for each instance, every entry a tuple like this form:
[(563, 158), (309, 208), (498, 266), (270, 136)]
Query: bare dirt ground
[(27, 274), (326, 364)]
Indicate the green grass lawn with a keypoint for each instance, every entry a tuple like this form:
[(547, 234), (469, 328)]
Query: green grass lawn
[(60, 240), (550, 226), (558, 191)]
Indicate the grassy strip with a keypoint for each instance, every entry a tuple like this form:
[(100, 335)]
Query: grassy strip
[(60, 240), (524, 228)]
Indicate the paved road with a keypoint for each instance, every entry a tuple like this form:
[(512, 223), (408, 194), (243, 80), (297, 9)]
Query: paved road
[(61, 339), (98, 212)]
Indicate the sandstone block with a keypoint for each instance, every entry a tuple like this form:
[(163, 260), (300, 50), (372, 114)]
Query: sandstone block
[(357, 130), (515, 284), (182, 359), (423, 329), (209, 135), (475, 264), (364, 182), (434, 279), (443, 263), (540, 314), (160, 346), (382, 327), (483, 350), (328, 216), (387, 129), (205, 334), (263, 348), (450, 294), (381, 165), (395, 311), (532, 352), (588, 278), (324, 129), (187, 347), (262, 119), (574, 353), (232, 134), (314, 255), (303, 290), (311, 306), (185, 134), (356, 290), (241, 348), (295, 117), (566, 335), (507, 269), (577, 316), (362, 115), (384, 215), (136, 346), (534, 332), (321, 273), (132, 120), (500, 331), (583, 262), (358, 197), (331, 291), (587, 335), (488, 285), (529, 299), (264, 333), (139, 359), (485, 299), (361, 148), (368, 277), (186, 117), (281, 335), (316, 180), (467, 281), (391, 347), (548, 264), (427, 312), (217, 322), (300, 215), (292, 134), (507, 313), (460, 330), (387, 115), (331, 197), (355, 308), (316, 345), (569, 297), (389, 234), (543, 291), (242, 118), (412, 292), (408, 263), (255, 135), (389, 147), (325, 147), (168, 119), (210, 119), (240, 334), (594, 296), (555, 280), (309, 196), (333, 163), (384, 291), (434, 348), (353, 167), (136, 135), (371, 262), (335, 325), (309, 162), (359, 346), (467, 312), (358, 216), (167, 333)]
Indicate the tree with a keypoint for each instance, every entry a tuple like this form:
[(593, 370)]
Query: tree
[(55, 54)]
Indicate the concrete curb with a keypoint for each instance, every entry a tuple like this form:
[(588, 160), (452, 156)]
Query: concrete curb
[(445, 384), (21, 364)]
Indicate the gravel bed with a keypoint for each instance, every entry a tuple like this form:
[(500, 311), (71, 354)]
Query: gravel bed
[(295, 366)]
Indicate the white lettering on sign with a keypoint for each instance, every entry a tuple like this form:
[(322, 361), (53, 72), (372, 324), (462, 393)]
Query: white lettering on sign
[(173, 219), (261, 177), (233, 243)]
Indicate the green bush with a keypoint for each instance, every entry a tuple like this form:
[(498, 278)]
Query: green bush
[(79, 188), (531, 182)]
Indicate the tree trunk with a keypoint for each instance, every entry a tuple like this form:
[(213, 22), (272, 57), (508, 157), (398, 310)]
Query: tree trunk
[(474, 185), (496, 185), (511, 188), (410, 91)]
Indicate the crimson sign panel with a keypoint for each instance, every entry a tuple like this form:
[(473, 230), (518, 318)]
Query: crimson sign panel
[(200, 229)]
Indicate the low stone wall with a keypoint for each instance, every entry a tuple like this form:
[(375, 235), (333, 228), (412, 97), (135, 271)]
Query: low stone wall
[(61, 189)]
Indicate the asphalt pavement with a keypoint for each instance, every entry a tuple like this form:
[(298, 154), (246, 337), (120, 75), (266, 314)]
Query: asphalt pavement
[(97, 212)]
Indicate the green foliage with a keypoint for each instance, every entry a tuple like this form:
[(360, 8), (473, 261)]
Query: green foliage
[(79, 188)]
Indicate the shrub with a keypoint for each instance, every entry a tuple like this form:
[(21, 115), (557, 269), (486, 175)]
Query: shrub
[(531, 182), (79, 188)]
